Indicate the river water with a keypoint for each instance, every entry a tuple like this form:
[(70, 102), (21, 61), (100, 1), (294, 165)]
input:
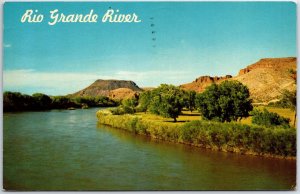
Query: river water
[(67, 150)]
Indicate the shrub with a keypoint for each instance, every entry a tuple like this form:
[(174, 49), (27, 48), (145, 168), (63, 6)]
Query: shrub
[(268, 119), (117, 111), (128, 109), (128, 106), (121, 110), (233, 137)]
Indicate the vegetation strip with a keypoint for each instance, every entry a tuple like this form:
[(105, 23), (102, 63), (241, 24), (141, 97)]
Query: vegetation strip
[(277, 141), (15, 101)]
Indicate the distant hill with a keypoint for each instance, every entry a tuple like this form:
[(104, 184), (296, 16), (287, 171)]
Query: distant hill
[(265, 79), (202, 82), (268, 77), (122, 93), (109, 88), (148, 88)]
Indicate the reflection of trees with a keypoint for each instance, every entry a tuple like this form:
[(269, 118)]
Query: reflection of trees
[(199, 168)]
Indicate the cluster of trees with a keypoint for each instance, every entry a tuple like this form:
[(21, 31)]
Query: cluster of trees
[(288, 98), (227, 101), (268, 119), (15, 101), (127, 106)]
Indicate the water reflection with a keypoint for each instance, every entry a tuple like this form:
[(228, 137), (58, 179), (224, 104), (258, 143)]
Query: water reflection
[(67, 150), (215, 166)]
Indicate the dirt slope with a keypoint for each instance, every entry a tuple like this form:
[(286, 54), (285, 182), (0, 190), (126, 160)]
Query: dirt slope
[(265, 79)]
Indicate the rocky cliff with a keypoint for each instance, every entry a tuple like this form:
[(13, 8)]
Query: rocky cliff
[(274, 63), (202, 82), (266, 79)]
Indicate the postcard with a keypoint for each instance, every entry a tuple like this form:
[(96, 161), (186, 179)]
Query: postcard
[(149, 96)]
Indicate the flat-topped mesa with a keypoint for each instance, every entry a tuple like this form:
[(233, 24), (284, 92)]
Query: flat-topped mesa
[(275, 63), (105, 87), (207, 78), (115, 84)]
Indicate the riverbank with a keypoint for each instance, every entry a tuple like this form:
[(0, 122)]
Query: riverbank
[(227, 137)]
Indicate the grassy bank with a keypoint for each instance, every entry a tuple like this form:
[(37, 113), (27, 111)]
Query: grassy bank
[(228, 137), (285, 112), (191, 116)]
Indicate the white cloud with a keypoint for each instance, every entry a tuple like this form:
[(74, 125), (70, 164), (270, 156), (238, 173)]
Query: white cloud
[(65, 83), (158, 75)]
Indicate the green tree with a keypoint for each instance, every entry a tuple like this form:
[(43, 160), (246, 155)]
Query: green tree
[(42, 101), (207, 102), (268, 119), (12, 101), (227, 101), (144, 101), (102, 101), (190, 97), (167, 101), (128, 105), (60, 102), (290, 97), (15, 101), (289, 100)]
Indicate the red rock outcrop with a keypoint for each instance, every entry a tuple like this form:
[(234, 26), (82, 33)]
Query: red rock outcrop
[(274, 63), (202, 82), (266, 79)]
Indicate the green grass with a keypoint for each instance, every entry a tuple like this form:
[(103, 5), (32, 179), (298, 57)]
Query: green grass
[(285, 112), (187, 116), (228, 137)]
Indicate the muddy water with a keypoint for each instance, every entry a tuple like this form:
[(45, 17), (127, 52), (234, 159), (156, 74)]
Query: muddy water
[(67, 150)]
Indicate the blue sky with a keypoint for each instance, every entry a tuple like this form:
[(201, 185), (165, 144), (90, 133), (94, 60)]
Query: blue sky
[(192, 39)]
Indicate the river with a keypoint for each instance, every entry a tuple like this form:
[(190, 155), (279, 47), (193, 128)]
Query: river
[(67, 150)]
